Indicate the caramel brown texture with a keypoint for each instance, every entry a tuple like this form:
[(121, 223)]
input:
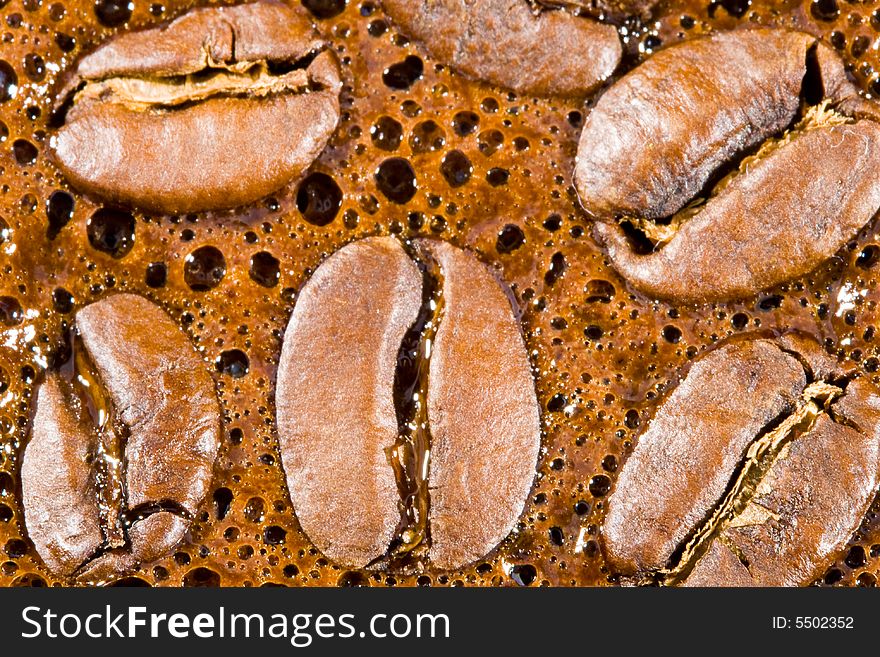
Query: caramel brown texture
[(604, 355)]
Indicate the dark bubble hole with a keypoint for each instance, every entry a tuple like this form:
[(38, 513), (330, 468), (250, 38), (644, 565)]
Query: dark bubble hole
[(111, 231), (386, 133), (403, 75), (113, 13), (396, 180), (325, 8), (234, 363), (204, 268), (510, 238), (318, 199), (59, 212), (8, 81), (456, 168)]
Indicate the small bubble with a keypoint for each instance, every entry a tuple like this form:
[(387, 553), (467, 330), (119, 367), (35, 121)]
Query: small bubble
[(489, 105), (59, 212), (34, 67), (325, 8), (377, 28), (456, 168), (204, 268), (8, 81), (427, 136), (111, 231), (352, 578), (524, 575), (739, 321), (113, 13), (15, 548), (490, 141), (396, 179), (868, 257), (156, 274), (265, 269), (274, 535), (866, 580), (222, 502), (599, 291), (65, 42), (62, 300), (199, 577), (11, 313), (28, 204), (386, 133), (825, 10), (57, 11), (497, 176), (410, 108), (557, 403), (465, 123), (233, 362), (25, 152), (856, 558), (600, 485), (510, 238), (671, 334), (770, 303), (632, 419), (403, 75), (318, 199), (254, 509)]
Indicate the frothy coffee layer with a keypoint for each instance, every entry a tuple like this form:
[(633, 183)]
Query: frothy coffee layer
[(420, 151)]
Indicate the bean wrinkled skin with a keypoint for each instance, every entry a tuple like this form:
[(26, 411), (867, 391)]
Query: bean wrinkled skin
[(531, 48), (654, 150), (217, 109), (337, 418), (159, 451), (755, 470)]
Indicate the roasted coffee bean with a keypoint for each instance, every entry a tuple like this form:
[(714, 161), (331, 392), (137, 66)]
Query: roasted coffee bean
[(745, 158), (365, 432), (217, 109), (116, 467), (528, 47), (755, 471)]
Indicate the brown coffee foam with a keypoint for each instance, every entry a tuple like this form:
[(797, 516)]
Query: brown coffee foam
[(606, 381)]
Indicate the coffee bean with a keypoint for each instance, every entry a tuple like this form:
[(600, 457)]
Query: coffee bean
[(368, 327), (507, 43), (698, 170), (755, 471), (218, 109), (118, 402)]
